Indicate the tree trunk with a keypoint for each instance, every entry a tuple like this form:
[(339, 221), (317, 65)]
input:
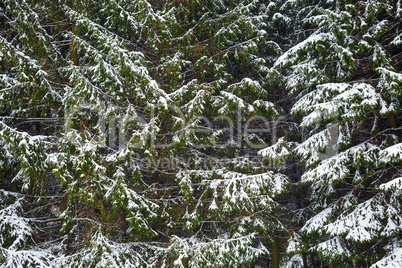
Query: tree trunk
[(392, 120), (275, 254), (74, 56), (304, 257)]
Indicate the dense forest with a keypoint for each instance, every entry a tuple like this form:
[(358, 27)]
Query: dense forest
[(201, 133)]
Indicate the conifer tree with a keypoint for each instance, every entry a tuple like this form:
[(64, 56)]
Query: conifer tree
[(347, 75), (118, 81), (148, 133)]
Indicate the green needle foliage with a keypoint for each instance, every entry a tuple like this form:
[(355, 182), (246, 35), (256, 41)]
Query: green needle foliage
[(200, 133)]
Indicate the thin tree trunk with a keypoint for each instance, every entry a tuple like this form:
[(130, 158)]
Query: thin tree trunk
[(304, 257), (275, 254), (74, 56), (392, 120)]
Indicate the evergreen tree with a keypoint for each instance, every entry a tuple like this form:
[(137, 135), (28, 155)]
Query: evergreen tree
[(115, 81), (347, 75), (151, 134)]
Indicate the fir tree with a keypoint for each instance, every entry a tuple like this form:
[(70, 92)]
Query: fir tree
[(151, 133), (347, 73)]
